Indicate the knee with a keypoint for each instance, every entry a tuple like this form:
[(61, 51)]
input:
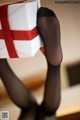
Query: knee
[(50, 110)]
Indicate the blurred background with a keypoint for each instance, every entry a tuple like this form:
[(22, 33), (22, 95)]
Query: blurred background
[(32, 71)]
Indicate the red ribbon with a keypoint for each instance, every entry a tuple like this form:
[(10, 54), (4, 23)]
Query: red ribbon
[(10, 35), (6, 31), (22, 34)]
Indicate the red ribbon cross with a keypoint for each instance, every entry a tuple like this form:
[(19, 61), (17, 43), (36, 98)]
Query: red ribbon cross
[(10, 35)]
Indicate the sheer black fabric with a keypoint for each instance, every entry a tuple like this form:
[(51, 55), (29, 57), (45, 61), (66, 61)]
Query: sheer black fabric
[(49, 29), (16, 90)]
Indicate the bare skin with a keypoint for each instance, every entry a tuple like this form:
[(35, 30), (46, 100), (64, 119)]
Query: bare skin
[(49, 29)]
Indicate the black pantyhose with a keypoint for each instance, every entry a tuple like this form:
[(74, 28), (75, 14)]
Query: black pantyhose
[(16, 90), (49, 30)]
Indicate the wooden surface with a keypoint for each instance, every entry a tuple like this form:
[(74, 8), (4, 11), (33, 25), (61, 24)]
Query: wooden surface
[(70, 102), (73, 116)]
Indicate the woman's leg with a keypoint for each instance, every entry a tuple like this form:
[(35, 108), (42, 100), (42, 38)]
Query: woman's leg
[(16, 90), (49, 30)]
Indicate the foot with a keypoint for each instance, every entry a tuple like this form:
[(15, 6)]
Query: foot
[(49, 29)]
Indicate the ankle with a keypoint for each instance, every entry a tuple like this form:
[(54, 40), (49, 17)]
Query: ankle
[(54, 61), (3, 66)]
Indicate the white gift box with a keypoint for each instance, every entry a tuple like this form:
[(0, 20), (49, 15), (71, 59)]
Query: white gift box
[(22, 17)]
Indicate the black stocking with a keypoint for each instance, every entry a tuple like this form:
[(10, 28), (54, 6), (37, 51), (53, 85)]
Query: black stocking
[(49, 30), (16, 90)]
